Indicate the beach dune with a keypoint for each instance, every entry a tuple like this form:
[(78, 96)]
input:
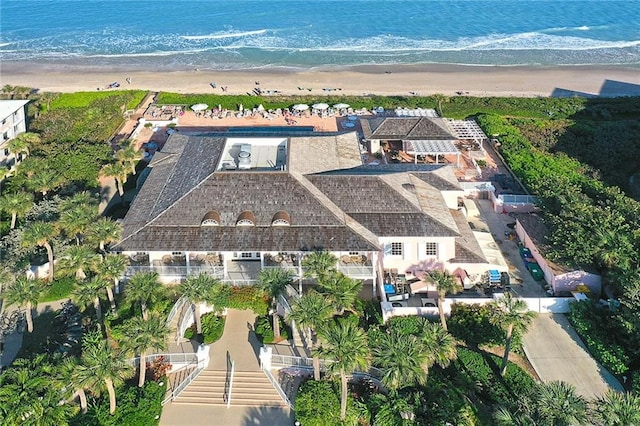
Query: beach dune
[(404, 80)]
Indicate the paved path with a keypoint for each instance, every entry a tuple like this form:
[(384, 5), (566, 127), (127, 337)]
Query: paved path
[(557, 353), (242, 346)]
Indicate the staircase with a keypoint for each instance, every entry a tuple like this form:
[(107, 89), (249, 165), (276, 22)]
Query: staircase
[(250, 388)]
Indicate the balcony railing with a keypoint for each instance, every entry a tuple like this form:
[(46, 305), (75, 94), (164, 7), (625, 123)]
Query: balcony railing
[(176, 271), (357, 271)]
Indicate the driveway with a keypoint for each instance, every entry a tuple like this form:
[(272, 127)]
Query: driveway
[(557, 353)]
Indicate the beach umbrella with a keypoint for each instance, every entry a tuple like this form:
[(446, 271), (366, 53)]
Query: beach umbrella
[(320, 106), (199, 107), (240, 107), (341, 106), (301, 107), (260, 108)]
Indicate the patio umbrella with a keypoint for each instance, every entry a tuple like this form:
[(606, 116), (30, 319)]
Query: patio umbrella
[(301, 107), (341, 106), (260, 108), (240, 107), (320, 106), (199, 107)]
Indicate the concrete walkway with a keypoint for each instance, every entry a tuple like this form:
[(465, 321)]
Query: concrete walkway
[(557, 353), (241, 345)]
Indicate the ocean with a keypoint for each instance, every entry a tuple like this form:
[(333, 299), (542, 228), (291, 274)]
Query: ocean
[(264, 34)]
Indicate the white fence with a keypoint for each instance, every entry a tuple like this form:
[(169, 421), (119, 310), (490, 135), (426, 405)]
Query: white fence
[(543, 305)]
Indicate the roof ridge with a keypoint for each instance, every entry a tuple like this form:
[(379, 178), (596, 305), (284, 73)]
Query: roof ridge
[(337, 211), (396, 185), (425, 187)]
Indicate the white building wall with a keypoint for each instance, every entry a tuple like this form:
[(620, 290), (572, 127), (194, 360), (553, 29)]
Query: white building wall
[(12, 123), (414, 255), (451, 198)]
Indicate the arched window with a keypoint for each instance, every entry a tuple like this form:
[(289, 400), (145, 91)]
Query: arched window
[(212, 218), (246, 218), (281, 218)]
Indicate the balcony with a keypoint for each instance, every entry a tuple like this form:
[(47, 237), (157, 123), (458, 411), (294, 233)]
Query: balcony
[(287, 261), (356, 266)]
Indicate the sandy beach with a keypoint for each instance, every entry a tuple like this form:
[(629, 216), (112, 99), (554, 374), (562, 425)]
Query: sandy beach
[(403, 80)]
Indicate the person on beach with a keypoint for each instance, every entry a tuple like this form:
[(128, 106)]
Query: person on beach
[(128, 80)]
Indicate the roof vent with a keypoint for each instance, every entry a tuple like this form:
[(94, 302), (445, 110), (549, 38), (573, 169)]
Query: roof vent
[(244, 157), (246, 218), (212, 218), (281, 218), (409, 187)]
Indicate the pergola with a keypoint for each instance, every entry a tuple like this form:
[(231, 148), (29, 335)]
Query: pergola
[(467, 130), (430, 147)]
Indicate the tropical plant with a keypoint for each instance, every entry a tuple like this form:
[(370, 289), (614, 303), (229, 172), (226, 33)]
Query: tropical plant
[(512, 315), (344, 343), (44, 180), (25, 293), (440, 99), (75, 221), (142, 336), (67, 372), (77, 260), (311, 311), (559, 404), (23, 142), (118, 172), (198, 288), (129, 156), (143, 288), (40, 234), (274, 282), (341, 290), (89, 294), (17, 204), (402, 358), (319, 263), (445, 284), (617, 409), (112, 268), (102, 367), (439, 345), (104, 231)]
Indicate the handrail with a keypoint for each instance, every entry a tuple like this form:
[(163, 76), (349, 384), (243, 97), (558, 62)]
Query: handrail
[(278, 388), (230, 383), (182, 386), (187, 319), (172, 358), (177, 307)]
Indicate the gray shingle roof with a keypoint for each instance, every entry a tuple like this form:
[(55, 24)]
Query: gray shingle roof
[(467, 248), (406, 128)]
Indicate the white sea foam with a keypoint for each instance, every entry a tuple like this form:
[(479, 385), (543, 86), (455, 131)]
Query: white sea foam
[(218, 36)]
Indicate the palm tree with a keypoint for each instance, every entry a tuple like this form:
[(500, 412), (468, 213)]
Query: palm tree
[(403, 359), (617, 409), (77, 260), (40, 233), (23, 142), (89, 293), (104, 231), (112, 268), (311, 311), (143, 336), (440, 99), (44, 180), (511, 315), (17, 204), (118, 172), (558, 404), (445, 284), (101, 366), (319, 263), (198, 288), (342, 291), (129, 156), (143, 287), (75, 384), (274, 282), (345, 344), (24, 292), (439, 345), (75, 221)]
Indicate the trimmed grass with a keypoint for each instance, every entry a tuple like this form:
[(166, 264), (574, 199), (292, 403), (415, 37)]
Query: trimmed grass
[(84, 99), (59, 289)]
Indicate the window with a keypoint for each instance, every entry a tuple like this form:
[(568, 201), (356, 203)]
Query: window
[(396, 249), (246, 255), (431, 249)]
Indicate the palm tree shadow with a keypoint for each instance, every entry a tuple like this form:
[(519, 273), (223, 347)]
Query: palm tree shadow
[(252, 338), (265, 415)]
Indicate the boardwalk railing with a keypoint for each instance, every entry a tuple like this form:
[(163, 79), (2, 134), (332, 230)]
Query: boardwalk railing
[(278, 388), (280, 361), (177, 308), (174, 359), (182, 385)]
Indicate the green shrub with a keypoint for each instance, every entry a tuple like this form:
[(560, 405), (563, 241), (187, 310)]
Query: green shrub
[(470, 323), (212, 328), (318, 404), (135, 406), (411, 325), (83, 99), (263, 328), (588, 322), (59, 289), (246, 297)]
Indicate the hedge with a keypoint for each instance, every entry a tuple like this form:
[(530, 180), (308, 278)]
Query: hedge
[(212, 328)]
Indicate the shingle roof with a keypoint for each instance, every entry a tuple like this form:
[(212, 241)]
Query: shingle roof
[(406, 128), (467, 248), (315, 155)]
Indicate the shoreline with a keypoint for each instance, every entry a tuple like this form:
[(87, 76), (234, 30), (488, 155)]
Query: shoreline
[(361, 80)]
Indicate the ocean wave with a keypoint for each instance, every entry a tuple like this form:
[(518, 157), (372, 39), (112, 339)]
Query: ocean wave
[(219, 36)]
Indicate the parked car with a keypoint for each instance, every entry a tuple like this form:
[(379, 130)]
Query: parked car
[(428, 303)]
